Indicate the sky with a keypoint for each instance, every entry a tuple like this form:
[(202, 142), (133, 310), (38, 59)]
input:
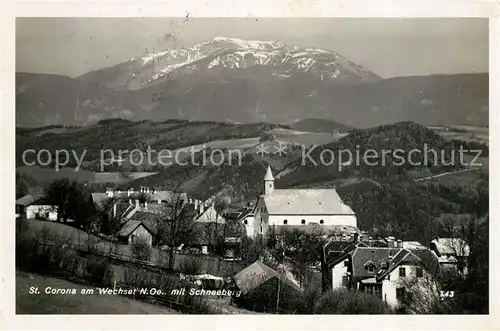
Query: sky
[(390, 47)]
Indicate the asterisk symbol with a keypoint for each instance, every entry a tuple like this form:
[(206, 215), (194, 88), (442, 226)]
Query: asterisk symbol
[(281, 148), (262, 149)]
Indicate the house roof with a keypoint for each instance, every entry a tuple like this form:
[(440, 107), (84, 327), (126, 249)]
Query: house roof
[(413, 245), (128, 228), (334, 257), (29, 200), (429, 261), (257, 274), (451, 246), (210, 215), (305, 202), (150, 220), (99, 198), (123, 208), (378, 255)]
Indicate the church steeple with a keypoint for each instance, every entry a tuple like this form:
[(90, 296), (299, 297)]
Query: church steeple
[(268, 182)]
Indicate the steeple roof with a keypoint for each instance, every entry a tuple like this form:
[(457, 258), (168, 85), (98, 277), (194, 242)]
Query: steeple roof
[(269, 174)]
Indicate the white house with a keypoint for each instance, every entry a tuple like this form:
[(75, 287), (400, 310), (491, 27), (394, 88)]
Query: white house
[(209, 215), (296, 207), (248, 219), (451, 253), (382, 271), (35, 207)]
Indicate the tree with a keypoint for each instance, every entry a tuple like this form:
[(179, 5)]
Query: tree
[(70, 200), (175, 225), (110, 223), (21, 186), (303, 248)]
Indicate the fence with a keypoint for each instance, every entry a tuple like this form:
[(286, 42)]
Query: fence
[(207, 264)]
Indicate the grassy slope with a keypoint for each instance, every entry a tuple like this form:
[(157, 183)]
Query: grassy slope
[(74, 304)]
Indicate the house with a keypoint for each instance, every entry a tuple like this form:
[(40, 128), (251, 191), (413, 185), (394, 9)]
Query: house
[(381, 271), (452, 253), (31, 206), (257, 274), (135, 232), (247, 219), (209, 215), (142, 227), (208, 229), (299, 207), (261, 286)]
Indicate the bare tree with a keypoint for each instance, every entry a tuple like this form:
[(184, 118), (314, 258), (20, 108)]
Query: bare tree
[(175, 225)]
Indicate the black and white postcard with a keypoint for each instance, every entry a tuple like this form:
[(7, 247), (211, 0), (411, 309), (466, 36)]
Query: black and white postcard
[(251, 165)]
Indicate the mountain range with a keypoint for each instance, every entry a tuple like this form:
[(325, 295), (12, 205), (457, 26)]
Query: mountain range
[(245, 81)]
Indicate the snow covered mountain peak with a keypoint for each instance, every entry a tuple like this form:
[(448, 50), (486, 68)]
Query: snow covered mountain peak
[(252, 44), (273, 57)]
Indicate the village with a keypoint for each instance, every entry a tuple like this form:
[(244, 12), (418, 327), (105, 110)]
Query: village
[(150, 223)]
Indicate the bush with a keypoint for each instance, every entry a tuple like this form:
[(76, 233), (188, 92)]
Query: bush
[(98, 271), (195, 305), (191, 266), (141, 251), (350, 302)]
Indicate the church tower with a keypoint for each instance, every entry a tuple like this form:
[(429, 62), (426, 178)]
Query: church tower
[(268, 182)]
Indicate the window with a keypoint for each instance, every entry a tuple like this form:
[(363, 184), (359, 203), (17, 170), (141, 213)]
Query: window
[(400, 293), (402, 272), (374, 289), (345, 281), (370, 267), (420, 272), (246, 222), (303, 221), (346, 263), (321, 221), (285, 222)]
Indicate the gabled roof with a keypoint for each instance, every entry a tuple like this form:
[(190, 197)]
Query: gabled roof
[(342, 255), (210, 215), (451, 246), (377, 255), (257, 274), (130, 227), (29, 200), (305, 202), (150, 220)]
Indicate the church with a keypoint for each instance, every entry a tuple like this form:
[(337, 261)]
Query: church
[(292, 208)]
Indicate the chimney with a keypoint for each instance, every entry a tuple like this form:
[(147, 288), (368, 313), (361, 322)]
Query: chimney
[(109, 192), (153, 191), (129, 201), (356, 237), (114, 209), (400, 243), (196, 205), (390, 241), (202, 207), (137, 203), (145, 205), (147, 189)]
